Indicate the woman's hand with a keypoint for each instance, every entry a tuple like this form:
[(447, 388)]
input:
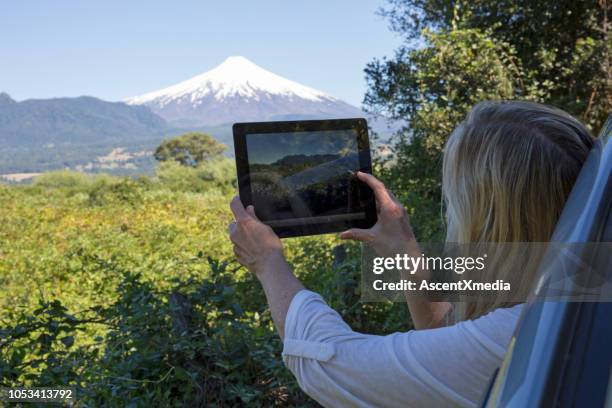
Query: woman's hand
[(258, 248), (392, 234), (255, 244)]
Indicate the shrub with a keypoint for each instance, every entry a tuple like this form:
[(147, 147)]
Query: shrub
[(193, 344), (218, 173), (115, 190), (64, 179)]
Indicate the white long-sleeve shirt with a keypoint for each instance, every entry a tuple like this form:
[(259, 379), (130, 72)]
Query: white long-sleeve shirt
[(449, 366)]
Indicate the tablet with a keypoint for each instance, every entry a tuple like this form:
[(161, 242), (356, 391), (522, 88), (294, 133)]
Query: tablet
[(300, 175)]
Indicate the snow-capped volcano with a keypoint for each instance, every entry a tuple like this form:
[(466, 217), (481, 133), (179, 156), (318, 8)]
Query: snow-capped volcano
[(239, 90)]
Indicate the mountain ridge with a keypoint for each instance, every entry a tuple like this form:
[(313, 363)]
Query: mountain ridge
[(46, 134), (82, 119)]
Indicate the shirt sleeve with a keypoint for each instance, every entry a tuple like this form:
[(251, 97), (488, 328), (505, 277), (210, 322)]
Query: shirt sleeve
[(338, 367)]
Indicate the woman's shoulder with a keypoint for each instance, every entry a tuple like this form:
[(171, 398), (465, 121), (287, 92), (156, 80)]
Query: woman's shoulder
[(494, 329), (485, 337)]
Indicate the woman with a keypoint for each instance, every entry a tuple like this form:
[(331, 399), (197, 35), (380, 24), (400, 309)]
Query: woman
[(507, 171)]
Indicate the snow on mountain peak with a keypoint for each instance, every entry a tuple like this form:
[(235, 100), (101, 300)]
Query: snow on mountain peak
[(235, 77), (240, 91)]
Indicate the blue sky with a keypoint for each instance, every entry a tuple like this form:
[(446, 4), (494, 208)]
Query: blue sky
[(115, 49)]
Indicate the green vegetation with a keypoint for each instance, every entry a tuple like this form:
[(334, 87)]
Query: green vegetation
[(127, 289), (457, 53), (190, 149)]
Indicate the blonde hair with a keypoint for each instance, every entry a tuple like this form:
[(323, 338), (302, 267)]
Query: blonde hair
[(508, 169)]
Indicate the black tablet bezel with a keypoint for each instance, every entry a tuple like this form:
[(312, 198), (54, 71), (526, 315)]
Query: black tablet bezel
[(240, 130)]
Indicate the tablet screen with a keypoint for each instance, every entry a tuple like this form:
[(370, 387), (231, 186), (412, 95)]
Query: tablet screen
[(304, 176), (302, 181)]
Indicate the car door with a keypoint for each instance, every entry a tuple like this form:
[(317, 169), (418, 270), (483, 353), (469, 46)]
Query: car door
[(561, 352)]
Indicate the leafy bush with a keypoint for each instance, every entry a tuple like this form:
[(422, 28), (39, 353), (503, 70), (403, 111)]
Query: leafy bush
[(108, 191), (190, 149), (192, 344), (211, 174), (64, 179)]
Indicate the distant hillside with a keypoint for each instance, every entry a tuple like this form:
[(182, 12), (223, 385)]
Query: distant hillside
[(301, 159), (81, 120), (45, 134)]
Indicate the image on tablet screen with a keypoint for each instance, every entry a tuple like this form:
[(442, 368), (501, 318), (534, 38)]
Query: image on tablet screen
[(304, 176)]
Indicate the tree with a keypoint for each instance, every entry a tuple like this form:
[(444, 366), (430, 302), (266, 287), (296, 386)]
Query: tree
[(457, 53), (564, 47), (189, 149)]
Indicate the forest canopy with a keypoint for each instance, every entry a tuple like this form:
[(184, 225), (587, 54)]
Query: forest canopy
[(457, 53)]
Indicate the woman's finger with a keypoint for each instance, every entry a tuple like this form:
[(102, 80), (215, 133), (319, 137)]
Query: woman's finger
[(240, 255), (358, 234), (393, 197), (380, 191), (238, 209), (231, 227), (241, 261), (240, 245), (251, 210)]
